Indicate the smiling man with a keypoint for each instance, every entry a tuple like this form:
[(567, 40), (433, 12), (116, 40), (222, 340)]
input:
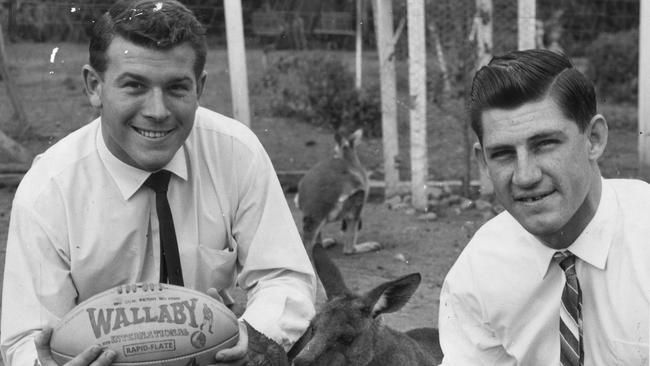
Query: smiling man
[(562, 276), (157, 189)]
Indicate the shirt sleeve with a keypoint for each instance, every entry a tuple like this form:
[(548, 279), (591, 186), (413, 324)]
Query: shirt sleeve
[(37, 288), (276, 271), (466, 338)]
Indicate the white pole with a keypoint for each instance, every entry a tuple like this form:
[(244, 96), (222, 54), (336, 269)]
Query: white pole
[(237, 61), (384, 30), (526, 24), (644, 91), (482, 34), (417, 105), (359, 45)]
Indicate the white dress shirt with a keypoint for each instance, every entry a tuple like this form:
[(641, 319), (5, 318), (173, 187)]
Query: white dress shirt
[(82, 223), (500, 302)]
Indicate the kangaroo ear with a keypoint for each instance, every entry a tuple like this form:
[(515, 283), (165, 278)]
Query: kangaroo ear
[(300, 343), (328, 273), (356, 136), (338, 137), (391, 296)]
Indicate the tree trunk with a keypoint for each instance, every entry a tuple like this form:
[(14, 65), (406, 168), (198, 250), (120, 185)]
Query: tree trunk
[(526, 29), (359, 45), (237, 61), (418, 102), (384, 30), (482, 34), (440, 55), (644, 92)]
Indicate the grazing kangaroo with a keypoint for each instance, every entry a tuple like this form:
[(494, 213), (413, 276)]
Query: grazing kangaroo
[(332, 190), (346, 331)]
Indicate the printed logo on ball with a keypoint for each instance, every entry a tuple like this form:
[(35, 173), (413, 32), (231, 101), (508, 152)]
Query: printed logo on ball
[(149, 347), (115, 321)]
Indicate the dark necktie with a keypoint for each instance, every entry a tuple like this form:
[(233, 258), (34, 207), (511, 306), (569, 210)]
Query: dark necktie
[(571, 345), (170, 264)]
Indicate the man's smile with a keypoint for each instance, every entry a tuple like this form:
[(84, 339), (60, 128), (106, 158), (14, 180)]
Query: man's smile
[(152, 134), (532, 197)]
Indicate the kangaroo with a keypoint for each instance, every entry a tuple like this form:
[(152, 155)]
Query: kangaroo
[(347, 331), (332, 190), (263, 351)]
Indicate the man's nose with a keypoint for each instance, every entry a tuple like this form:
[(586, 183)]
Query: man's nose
[(155, 107), (527, 172)]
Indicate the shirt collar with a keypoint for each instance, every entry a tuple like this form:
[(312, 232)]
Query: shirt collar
[(128, 178), (592, 246)]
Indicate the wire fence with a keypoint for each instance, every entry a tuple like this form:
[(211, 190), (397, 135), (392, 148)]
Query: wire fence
[(574, 26), (580, 21), (50, 20)]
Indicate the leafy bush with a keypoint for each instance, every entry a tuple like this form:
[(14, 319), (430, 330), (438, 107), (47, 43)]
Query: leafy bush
[(285, 92), (320, 90), (364, 109), (613, 65)]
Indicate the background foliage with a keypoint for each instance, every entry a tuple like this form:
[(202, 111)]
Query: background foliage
[(320, 90), (613, 64)]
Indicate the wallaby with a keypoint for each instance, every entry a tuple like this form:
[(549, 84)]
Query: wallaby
[(347, 331), (332, 190)]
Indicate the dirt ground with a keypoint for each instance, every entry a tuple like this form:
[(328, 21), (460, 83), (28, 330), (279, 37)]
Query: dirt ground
[(409, 245)]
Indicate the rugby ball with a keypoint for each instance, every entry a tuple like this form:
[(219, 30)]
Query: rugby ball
[(148, 324)]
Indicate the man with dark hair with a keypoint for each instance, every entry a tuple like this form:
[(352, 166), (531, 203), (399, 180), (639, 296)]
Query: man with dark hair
[(157, 189), (562, 276)]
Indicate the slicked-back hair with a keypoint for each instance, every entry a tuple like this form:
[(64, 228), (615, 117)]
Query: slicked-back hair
[(520, 77), (154, 24)]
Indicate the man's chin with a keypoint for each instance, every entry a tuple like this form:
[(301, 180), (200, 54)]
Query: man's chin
[(153, 165), (540, 227)]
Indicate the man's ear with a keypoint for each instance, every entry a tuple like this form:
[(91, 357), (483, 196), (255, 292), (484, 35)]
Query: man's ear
[(93, 85), (200, 84), (597, 133), (480, 158)]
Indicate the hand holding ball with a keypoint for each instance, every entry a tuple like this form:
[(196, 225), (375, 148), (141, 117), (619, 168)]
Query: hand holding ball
[(148, 324)]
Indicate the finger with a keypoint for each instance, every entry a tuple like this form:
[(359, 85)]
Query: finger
[(42, 343), (88, 357), (238, 351), (105, 358), (93, 355), (214, 293), (241, 362)]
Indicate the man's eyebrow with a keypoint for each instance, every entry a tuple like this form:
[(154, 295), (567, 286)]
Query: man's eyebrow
[(536, 137), (498, 147), (546, 134), (128, 75), (181, 79)]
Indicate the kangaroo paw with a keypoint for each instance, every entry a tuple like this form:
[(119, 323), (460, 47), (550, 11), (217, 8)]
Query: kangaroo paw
[(368, 246), (328, 242)]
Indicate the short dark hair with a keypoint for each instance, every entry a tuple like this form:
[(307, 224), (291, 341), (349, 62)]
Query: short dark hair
[(154, 24), (513, 79)]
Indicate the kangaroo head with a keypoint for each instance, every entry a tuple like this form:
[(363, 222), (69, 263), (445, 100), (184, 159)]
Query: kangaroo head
[(345, 331), (346, 142)]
